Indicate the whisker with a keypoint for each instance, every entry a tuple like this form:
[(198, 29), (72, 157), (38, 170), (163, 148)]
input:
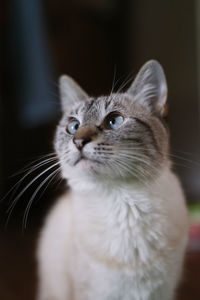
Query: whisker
[(12, 206), (128, 154), (167, 153), (16, 186), (134, 172), (127, 79), (51, 177), (118, 168), (29, 166), (113, 82), (185, 159)]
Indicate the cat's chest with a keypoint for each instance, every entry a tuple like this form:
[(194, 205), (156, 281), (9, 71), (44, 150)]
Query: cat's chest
[(117, 227), (97, 281), (115, 243)]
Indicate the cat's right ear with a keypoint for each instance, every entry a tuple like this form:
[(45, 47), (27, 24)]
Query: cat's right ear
[(70, 92)]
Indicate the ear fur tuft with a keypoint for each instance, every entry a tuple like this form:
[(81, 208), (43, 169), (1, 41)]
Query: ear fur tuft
[(70, 92), (150, 88)]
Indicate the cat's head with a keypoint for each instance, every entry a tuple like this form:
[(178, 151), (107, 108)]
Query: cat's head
[(120, 136)]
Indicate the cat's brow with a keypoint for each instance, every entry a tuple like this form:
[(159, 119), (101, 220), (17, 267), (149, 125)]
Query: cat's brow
[(77, 110), (107, 102), (90, 104)]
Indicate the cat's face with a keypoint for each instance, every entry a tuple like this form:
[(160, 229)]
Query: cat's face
[(118, 136)]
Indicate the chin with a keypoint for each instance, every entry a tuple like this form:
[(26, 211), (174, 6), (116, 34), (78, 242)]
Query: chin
[(85, 164), (80, 170)]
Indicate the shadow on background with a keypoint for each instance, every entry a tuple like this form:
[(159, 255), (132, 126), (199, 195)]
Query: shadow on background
[(93, 41)]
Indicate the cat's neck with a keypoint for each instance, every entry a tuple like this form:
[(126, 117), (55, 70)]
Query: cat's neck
[(121, 210), (97, 198), (95, 183), (103, 194), (107, 185)]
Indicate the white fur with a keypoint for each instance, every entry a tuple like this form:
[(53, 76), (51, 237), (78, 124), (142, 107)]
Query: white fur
[(114, 241)]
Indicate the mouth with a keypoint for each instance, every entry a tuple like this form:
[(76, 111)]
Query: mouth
[(80, 159), (86, 159)]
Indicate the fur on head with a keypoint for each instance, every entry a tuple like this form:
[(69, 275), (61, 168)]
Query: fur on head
[(120, 136)]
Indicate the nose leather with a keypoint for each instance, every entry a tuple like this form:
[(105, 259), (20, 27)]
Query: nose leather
[(84, 135)]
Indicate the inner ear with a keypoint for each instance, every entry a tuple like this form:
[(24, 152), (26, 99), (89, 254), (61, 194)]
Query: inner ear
[(70, 92), (149, 88)]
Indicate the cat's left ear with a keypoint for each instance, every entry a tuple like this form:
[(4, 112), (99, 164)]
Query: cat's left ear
[(70, 92), (150, 88)]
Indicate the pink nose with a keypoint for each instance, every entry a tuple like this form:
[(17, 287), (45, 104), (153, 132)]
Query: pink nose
[(84, 135), (80, 143)]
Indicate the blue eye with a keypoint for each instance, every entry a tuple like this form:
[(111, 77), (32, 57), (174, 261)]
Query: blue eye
[(73, 126), (113, 121)]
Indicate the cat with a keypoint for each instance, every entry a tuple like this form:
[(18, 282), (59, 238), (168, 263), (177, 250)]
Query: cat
[(120, 232)]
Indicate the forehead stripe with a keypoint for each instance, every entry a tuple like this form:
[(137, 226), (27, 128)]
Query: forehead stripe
[(90, 104)]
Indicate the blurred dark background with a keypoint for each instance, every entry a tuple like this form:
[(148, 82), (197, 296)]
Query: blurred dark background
[(96, 42)]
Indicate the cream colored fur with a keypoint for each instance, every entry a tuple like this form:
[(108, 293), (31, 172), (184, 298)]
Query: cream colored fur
[(123, 242)]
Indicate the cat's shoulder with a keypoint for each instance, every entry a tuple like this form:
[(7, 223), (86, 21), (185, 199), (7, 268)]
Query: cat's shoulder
[(62, 204), (58, 221)]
